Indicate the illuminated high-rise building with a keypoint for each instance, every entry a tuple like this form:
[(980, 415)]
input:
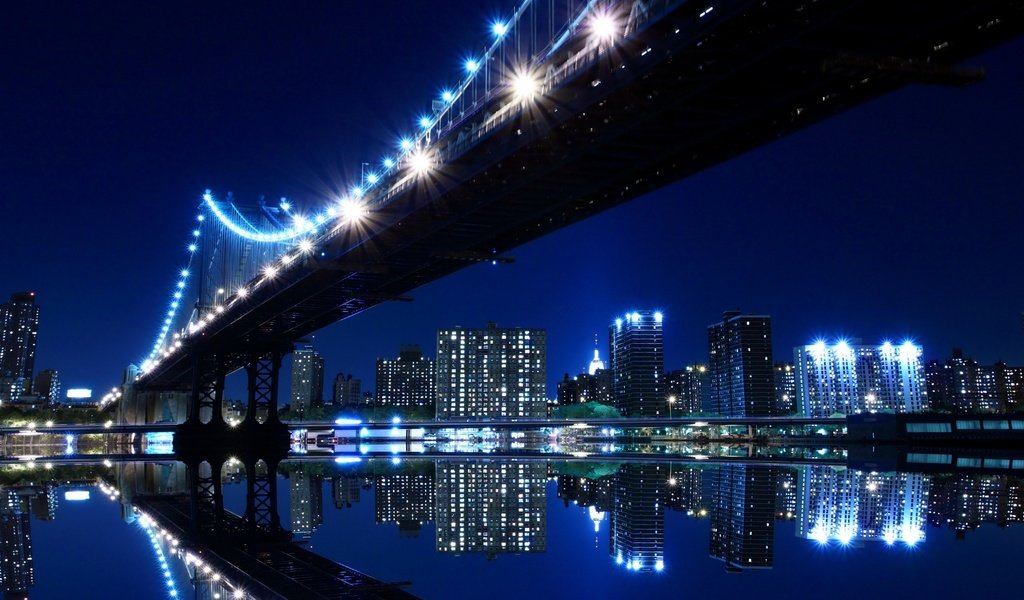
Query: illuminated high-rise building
[(47, 386), (491, 507), (785, 388), (850, 378), (406, 500), (687, 389), (17, 573), (740, 361), (847, 506), (348, 391), (307, 380), (637, 518), (306, 502), (492, 372), (409, 380), (742, 519), (637, 355), (19, 328), (960, 384)]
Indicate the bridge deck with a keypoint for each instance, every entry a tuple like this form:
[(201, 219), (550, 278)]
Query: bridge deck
[(269, 569), (687, 91)]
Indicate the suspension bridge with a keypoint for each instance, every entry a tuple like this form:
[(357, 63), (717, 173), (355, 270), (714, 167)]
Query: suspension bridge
[(569, 108)]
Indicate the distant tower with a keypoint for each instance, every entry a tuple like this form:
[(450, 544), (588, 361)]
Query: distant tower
[(596, 364), (19, 327), (409, 380), (307, 380), (638, 364), (740, 361)]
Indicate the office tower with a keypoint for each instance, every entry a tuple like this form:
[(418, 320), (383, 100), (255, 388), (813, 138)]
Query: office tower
[(740, 361), (347, 390), (849, 378), (406, 500), (637, 518), (409, 380), (47, 386), (19, 328), (345, 491), (686, 389), (785, 388), (17, 573), (307, 380), (847, 506), (742, 519), (637, 355), (306, 504), (494, 508), (491, 372), (1010, 385)]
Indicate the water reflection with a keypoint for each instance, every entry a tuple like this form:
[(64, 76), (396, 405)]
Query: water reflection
[(493, 508)]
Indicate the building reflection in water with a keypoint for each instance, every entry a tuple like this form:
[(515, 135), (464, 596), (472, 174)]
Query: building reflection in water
[(494, 506), (491, 507), (846, 506)]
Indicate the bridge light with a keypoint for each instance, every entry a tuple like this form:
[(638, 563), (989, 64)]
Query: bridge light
[(352, 209), (241, 292), (421, 162), (306, 246), (425, 122), (181, 285), (372, 178), (270, 271), (388, 163), (405, 144), (603, 27), (447, 96), (285, 206), (499, 28), (192, 247), (472, 65), (195, 233), (524, 86)]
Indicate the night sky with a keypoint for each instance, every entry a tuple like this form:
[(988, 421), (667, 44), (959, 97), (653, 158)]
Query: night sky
[(899, 218)]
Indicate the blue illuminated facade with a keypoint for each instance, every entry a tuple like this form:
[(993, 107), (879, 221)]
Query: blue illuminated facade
[(637, 350)]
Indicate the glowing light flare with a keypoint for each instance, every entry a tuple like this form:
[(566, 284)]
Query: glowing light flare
[(604, 27), (499, 28), (421, 162), (524, 85), (472, 65), (351, 209)]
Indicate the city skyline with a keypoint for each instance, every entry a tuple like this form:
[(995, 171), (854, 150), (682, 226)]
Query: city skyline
[(919, 156)]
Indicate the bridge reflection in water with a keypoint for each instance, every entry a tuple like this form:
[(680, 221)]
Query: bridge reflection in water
[(495, 506)]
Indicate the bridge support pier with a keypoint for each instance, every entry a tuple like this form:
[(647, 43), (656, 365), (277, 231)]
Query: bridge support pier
[(206, 400), (261, 514), (206, 494), (263, 370)]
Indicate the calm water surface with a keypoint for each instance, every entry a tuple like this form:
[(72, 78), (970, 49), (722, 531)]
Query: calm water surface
[(501, 528)]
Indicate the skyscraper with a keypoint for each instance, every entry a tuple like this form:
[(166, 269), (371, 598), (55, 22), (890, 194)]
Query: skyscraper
[(19, 328), (785, 388), (742, 516), (740, 361), (17, 573), (409, 380), (307, 380), (306, 504), (637, 519), (491, 372), (637, 354), (962, 385), (491, 507), (852, 378)]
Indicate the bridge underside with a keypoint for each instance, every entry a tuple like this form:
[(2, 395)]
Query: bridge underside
[(685, 93)]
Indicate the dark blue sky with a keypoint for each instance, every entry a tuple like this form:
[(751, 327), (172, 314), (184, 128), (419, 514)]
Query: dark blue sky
[(899, 218)]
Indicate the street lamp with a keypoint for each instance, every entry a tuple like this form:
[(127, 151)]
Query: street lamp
[(671, 400)]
